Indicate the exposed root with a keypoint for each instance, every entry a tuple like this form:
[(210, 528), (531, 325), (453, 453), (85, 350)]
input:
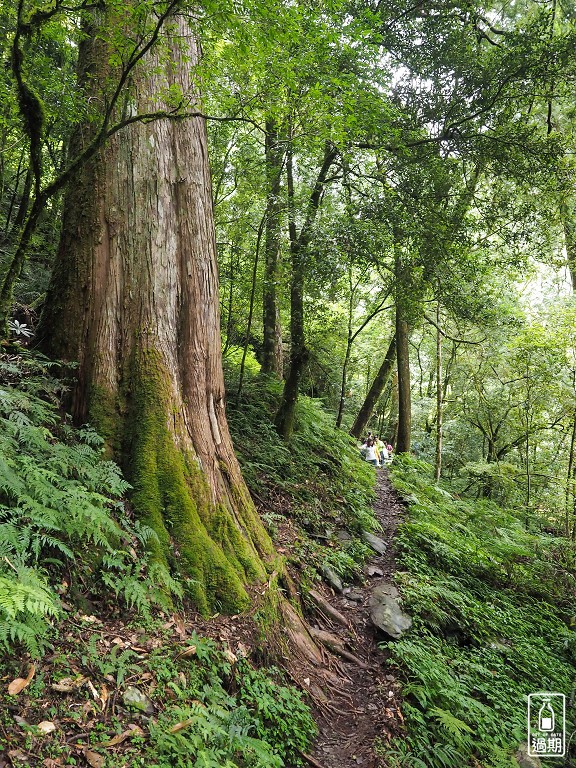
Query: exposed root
[(311, 760), (336, 645)]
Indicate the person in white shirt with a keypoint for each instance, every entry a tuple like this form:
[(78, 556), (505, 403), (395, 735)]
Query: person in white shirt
[(371, 455)]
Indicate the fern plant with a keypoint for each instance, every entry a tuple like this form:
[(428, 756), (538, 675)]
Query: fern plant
[(492, 603), (60, 509)]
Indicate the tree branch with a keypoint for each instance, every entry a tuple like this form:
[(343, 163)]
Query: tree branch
[(452, 338)]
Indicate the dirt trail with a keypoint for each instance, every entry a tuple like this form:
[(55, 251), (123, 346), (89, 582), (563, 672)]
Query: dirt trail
[(364, 704)]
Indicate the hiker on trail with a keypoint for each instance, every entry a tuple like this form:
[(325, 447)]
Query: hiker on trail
[(383, 454), (371, 454)]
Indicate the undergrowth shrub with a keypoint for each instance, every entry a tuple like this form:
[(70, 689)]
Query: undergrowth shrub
[(226, 714), (280, 715), (316, 478), (318, 469), (210, 707), (493, 621), (60, 508)]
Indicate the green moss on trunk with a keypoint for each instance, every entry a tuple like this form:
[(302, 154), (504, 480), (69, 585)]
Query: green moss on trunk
[(104, 417), (210, 545)]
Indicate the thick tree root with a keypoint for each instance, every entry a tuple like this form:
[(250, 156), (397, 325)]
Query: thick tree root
[(326, 608), (336, 645)]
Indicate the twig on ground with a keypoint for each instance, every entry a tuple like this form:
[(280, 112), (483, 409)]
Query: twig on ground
[(311, 760)]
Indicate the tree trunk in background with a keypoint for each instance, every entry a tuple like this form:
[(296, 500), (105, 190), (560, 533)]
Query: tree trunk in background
[(272, 354), (382, 377), (298, 350), (349, 341), (404, 399), (250, 313), (439, 399), (343, 381), (393, 427), (568, 215), (298, 245), (402, 301), (570, 492), (134, 299)]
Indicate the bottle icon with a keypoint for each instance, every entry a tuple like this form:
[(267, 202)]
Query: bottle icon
[(546, 717)]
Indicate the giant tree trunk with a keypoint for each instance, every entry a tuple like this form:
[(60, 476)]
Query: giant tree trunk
[(380, 381), (134, 299), (272, 354)]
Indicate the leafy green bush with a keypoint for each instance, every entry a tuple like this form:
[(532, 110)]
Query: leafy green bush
[(316, 478), (210, 708), (492, 606), (280, 715), (60, 505), (210, 737), (226, 714)]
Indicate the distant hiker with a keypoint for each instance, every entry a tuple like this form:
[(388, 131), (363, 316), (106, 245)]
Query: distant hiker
[(371, 454), (383, 453)]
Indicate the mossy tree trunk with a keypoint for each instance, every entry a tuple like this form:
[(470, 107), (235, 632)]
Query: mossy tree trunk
[(134, 300)]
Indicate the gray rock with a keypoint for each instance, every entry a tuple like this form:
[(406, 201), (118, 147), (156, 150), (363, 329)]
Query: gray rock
[(343, 535), (525, 760), (371, 570), (135, 699), (377, 544), (332, 578), (357, 597), (385, 611), (385, 589)]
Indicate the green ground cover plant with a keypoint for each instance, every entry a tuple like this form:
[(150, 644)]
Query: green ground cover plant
[(64, 528), (202, 705), (492, 601)]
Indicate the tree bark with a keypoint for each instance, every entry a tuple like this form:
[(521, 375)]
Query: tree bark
[(404, 397), (134, 300), (349, 341), (250, 314), (568, 216), (380, 381), (298, 244), (402, 301), (439, 399), (272, 353)]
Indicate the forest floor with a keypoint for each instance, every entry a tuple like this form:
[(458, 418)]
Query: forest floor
[(364, 712), (77, 689)]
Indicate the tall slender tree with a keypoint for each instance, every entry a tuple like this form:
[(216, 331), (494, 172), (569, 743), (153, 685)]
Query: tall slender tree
[(272, 351)]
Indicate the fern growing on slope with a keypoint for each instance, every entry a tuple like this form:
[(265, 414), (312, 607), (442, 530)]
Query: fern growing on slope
[(492, 603), (60, 509)]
